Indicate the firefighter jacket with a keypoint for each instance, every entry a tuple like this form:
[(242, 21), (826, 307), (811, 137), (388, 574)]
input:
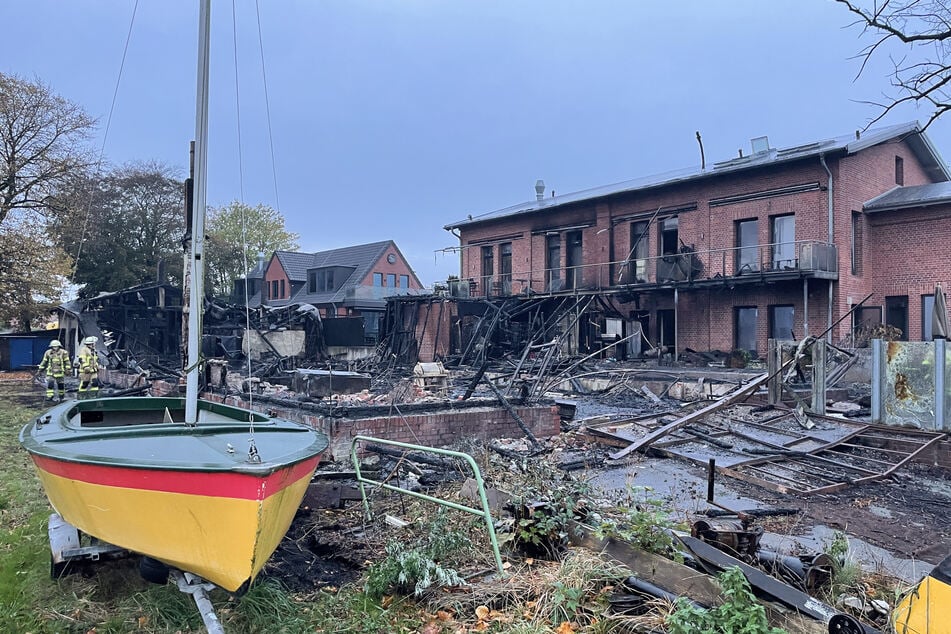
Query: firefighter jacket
[(55, 361), (88, 361)]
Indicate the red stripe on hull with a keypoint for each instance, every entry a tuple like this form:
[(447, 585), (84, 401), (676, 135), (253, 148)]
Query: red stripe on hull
[(211, 483)]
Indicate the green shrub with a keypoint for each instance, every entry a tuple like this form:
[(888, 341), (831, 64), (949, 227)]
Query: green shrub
[(739, 614)]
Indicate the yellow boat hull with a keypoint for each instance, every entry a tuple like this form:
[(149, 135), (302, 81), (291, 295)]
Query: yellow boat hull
[(927, 608), (224, 534)]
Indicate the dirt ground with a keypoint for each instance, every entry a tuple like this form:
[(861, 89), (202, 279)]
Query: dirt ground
[(906, 515)]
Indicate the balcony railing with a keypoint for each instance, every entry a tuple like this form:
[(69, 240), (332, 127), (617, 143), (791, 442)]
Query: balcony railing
[(378, 292), (805, 258)]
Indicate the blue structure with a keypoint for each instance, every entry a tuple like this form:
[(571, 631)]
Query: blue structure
[(19, 351)]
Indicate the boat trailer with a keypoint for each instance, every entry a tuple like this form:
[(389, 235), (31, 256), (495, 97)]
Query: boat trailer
[(66, 548)]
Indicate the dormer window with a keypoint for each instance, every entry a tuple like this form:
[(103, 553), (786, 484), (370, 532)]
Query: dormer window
[(327, 280)]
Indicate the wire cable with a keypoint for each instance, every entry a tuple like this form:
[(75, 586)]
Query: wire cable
[(105, 136), (267, 107), (252, 452)]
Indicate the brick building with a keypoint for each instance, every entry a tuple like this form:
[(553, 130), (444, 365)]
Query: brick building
[(773, 243), (347, 282)]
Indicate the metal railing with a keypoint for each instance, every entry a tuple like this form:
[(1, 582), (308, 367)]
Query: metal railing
[(477, 474), (802, 256)]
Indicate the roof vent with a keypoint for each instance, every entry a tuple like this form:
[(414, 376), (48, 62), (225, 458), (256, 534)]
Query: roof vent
[(760, 144), (539, 189)]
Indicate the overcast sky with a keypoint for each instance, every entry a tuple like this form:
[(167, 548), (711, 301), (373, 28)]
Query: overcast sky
[(392, 118)]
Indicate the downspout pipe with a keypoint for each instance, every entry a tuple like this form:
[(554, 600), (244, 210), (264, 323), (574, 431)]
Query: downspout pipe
[(458, 237), (822, 161)]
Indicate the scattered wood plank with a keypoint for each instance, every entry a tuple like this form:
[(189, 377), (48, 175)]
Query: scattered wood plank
[(738, 394)]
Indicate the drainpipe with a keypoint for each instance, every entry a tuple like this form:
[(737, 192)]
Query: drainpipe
[(458, 237), (822, 161)]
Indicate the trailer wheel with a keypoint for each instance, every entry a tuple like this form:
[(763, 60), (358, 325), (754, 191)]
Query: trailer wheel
[(153, 570)]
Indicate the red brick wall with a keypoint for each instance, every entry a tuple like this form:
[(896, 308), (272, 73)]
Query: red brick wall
[(275, 272), (400, 267), (907, 255), (431, 429), (433, 326)]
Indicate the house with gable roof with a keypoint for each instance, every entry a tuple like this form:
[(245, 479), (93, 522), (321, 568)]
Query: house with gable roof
[(350, 281), (773, 243)]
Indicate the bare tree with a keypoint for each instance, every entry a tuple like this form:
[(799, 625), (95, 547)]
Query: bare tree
[(42, 141), (923, 74)]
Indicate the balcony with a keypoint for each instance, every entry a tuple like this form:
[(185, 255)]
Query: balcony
[(700, 269)]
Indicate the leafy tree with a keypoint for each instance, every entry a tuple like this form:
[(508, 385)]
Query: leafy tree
[(235, 235), (122, 228), (33, 272), (923, 74), (42, 142)]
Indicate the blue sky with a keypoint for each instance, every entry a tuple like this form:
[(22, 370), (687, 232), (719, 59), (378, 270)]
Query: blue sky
[(392, 118)]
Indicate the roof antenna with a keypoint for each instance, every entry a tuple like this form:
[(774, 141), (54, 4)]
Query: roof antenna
[(703, 161)]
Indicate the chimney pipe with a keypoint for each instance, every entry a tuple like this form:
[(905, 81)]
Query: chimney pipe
[(539, 189)]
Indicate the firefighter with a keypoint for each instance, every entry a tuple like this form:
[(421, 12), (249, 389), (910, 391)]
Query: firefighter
[(87, 363), (55, 363)]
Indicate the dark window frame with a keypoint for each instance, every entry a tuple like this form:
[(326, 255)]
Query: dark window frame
[(927, 314), (743, 262), (737, 322), (773, 321), (783, 251)]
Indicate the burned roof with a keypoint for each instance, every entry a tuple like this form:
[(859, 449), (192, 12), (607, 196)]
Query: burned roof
[(847, 144), (912, 196)]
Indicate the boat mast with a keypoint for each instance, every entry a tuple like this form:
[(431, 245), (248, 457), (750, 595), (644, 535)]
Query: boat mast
[(196, 295)]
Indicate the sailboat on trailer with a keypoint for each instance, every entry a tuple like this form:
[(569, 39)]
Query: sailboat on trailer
[(203, 487)]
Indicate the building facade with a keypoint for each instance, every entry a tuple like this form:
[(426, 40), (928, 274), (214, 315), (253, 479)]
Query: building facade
[(777, 243)]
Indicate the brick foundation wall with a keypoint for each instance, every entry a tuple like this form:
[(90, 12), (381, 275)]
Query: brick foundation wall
[(431, 428)]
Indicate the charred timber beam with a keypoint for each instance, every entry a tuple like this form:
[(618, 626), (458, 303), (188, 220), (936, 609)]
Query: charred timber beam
[(518, 419)]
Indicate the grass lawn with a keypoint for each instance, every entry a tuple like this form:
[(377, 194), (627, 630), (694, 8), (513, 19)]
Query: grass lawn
[(111, 596)]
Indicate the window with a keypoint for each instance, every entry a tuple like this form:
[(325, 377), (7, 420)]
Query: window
[(856, 243), (282, 289), (665, 328), (274, 288), (744, 328), (553, 262), (869, 316), (781, 322), (638, 255), (574, 258), (391, 280), (404, 281), (784, 242), (896, 314), (747, 241), (505, 266), (927, 316), (488, 268), (321, 281), (899, 170), (378, 279), (669, 242)]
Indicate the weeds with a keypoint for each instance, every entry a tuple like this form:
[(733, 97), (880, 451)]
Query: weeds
[(739, 614), (416, 570), (643, 523), (542, 517)]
